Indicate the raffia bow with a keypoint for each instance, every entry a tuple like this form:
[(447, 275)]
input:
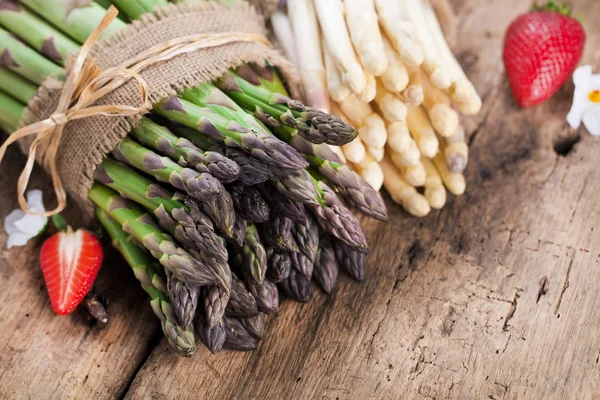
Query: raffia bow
[(86, 84)]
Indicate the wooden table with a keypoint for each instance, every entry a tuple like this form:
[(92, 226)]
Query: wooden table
[(494, 297)]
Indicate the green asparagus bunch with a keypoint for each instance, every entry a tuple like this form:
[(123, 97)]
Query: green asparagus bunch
[(220, 198)]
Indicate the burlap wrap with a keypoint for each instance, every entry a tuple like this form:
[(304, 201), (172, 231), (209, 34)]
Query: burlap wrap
[(86, 142), (265, 7)]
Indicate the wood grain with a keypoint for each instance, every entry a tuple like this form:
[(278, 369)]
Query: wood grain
[(494, 297)]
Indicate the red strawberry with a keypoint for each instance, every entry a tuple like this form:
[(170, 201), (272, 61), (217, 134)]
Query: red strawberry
[(70, 262), (541, 50)]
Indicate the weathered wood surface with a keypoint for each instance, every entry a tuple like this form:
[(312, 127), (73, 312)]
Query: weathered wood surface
[(494, 297)]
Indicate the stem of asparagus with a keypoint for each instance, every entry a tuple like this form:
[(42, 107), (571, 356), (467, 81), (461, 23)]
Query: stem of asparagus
[(136, 8), (11, 112), (16, 86), (151, 276)]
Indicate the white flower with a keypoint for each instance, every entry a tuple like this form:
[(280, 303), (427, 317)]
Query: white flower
[(586, 100), (21, 226)]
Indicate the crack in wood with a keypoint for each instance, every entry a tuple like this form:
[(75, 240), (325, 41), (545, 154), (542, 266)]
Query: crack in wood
[(544, 283), (511, 311), (565, 286)]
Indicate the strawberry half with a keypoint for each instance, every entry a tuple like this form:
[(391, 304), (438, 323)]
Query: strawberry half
[(541, 51), (70, 262)]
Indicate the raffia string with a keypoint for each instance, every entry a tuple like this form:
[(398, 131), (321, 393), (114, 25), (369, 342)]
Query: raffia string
[(85, 85)]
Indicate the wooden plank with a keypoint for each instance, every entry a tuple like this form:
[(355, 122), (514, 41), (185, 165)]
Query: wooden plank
[(493, 297), (46, 356)]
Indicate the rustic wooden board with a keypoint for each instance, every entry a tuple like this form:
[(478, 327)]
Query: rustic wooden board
[(493, 297)]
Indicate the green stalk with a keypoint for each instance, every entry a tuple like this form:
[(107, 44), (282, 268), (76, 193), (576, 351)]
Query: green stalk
[(18, 57), (77, 21), (201, 186), (11, 112), (190, 227), (151, 276), (183, 152), (141, 226), (42, 37), (136, 8), (16, 86)]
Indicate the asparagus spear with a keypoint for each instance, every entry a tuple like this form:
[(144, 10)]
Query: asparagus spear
[(282, 205), (237, 338), (336, 219), (215, 302), (201, 186), (295, 185), (266, 295), (11, 112), (326, 267), (77, 19), (297, 287), (277, 233), (302, 263), (213, 338), (254, 171), (183, 152), (279, 264), (38, 34), (241, 303), (140, 226), (255, 326), (249, 204), (151, 276), (187, 224), (254, 256), (307, 237), (16, 86), (134, 9), (274, 108), (239, 232), (268, 149), (184, 298), (21, 59), (351, 259), (221, 214)]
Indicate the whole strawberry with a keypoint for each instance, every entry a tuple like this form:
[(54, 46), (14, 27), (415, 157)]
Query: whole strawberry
[(541, 51), (70, 261)]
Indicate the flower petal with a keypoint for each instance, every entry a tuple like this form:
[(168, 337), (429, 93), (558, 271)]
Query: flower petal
[(35, 200), (31, 224), (582, 75), (591, 120), (11, 219), (17, 239)]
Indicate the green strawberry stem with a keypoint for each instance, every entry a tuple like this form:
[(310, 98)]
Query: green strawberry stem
[(563, 8), (59, 222)]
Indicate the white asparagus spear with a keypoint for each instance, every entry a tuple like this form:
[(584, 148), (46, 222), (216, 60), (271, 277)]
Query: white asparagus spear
[(338, 90), (441, 114), (434, 187), (338, 152), (413, 94), (401, 192), (370, 170), (373, 132), (331, 18), (355, 150), (398, 136), (310, 55), (377, 154), (355, 110), (415, 174), (456, 150), (422, 131), (363, 25), (285, 37), (395, 77), (441, 75), (406, 158), (391, 106), (454, 181), (368, 94), (461, 90), (400, 30)]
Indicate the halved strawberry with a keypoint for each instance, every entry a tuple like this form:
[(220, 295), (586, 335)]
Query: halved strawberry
[(70, 262)]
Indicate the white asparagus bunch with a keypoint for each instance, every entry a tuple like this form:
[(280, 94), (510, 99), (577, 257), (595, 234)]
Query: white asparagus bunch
[(389, 71)]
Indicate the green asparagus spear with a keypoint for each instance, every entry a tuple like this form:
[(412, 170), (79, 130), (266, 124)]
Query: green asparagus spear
[(37, 33), (21, 59), (11, 112), (213, 338), (183, 152), (303, 264), (255, 326), (188, 225), (307, 237), (241, 303), (151, 276), (296, 185), (277, 233), (326, 266), (353, 260), (16, 86), (184, 299), (215, 303), (142, 227), (237, 338), (249, 204), (297, 287), (275, 109), (254, 256), (201, 186), (134, 9)]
